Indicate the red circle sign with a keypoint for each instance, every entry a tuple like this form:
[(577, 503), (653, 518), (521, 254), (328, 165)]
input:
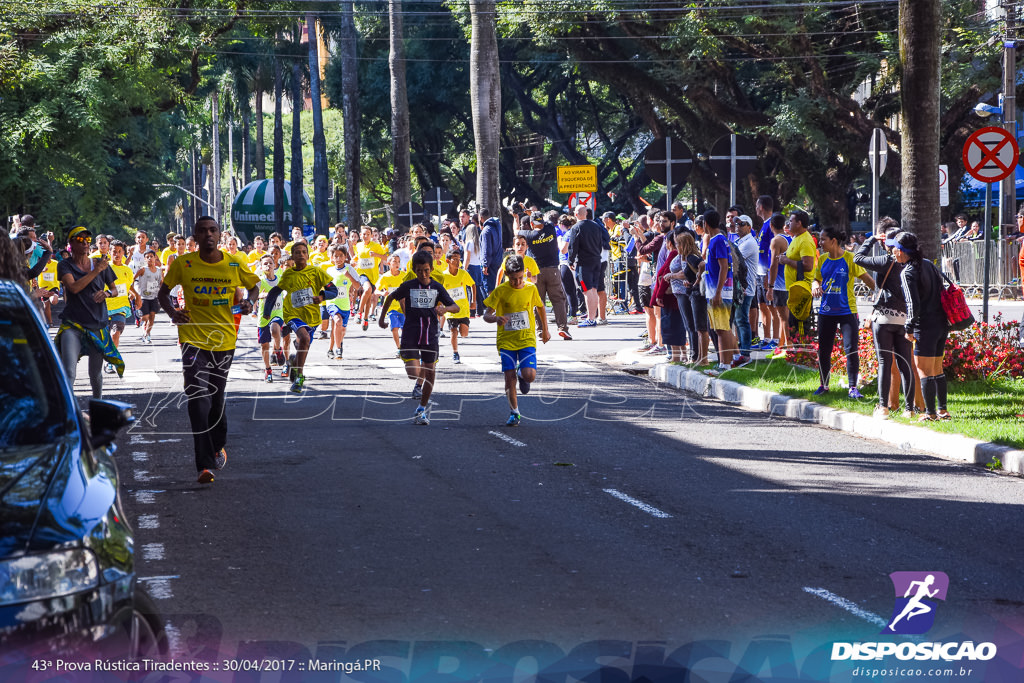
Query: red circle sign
[(991, 154)]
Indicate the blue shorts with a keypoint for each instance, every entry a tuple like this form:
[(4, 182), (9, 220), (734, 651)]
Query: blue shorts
[(519, 358), (333, 310), (324, 313), (263, 335), (295, 325), (396, 319)]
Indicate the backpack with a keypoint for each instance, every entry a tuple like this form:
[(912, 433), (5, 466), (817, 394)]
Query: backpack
[(739, 273)]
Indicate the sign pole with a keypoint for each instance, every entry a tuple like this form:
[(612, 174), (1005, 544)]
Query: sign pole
[(668, 174), (732, 170), (875, 163), (988, 250)]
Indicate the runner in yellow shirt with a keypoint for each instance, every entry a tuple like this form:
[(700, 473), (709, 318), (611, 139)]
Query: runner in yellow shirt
[(119, 306), (387, 283), (49, 288), (319, 256), (460, 286), (367, 259), (532, 270), (307, 286), (512, 305), (206, 329), (350, 283), (259, 248)]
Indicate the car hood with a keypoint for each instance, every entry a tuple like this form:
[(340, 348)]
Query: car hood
[(25, 476)]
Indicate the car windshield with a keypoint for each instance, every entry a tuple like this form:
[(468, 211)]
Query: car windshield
[(32, 404)]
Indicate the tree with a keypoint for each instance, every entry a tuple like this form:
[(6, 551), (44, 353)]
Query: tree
[(278, 149), (320, 185), (919, 54), (298, 104), (401, 186), (350, 112), (485, 96)]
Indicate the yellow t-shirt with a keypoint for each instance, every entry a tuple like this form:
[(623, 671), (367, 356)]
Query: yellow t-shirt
[(209, 291), (367, 259), (254, 257), (802, 245), (167, 251), (320, 260), (519, 304), (301, 286), (456, 285), (123, 277), (437, 273), (48, 278), (528, 263), (388, 283)]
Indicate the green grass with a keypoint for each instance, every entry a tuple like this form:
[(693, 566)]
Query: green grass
[(981, 410)]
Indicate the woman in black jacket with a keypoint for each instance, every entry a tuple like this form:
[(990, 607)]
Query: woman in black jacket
[(888, 319), (926, 321)]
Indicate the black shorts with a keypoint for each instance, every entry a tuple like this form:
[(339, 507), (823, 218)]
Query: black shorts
[(425, 355), (780, 298), (645, 296), (604, 272), (455, 322), (150, 306), (760, 296), (590, 277), (931, 341)]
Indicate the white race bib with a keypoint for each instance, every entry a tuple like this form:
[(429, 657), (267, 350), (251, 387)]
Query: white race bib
[(148, 294), (122, 289), (457, 293), (49, 277), (302, 298), (366, 263), (517, 321), (422, 298)]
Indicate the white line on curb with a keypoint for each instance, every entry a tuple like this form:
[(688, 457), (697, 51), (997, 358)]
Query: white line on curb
[(638, 503), (507, 439), (845, 604)]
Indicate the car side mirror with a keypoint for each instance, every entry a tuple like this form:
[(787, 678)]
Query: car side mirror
[(106, 419)]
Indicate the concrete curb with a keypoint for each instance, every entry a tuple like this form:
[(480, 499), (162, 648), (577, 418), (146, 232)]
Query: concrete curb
[(906, 437)]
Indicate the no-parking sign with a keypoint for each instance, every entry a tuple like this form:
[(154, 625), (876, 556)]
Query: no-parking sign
[(990, 154), (587, 199)]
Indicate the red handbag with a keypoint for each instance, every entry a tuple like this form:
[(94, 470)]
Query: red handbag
[(954, 303)]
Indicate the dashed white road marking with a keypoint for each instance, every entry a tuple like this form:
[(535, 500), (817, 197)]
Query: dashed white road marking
[(159, 587), (507, 439), (649, 509), (153, 551), (140, 456), (148, 522), (142, 475), (847, 605), (137, 438), (146, 497)]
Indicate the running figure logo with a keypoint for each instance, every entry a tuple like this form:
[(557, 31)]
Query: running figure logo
[(916, 596)]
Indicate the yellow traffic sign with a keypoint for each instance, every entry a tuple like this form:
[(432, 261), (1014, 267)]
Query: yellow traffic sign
[(577, 178)]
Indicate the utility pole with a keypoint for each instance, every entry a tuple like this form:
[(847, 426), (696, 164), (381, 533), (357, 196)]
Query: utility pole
[(1008, 187)]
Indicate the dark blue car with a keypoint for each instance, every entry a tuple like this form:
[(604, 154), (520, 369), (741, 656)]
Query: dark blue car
[(68, 581)]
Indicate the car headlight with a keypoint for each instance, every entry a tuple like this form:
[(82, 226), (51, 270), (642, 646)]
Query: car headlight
[(51, 575)]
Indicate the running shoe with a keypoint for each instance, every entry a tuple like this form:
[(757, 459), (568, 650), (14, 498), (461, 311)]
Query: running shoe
[(330, 354), (205, 477), (821, 390), (740, 361), (524, 386), (269, 376), (337, 354), (285, 370), (297, 384), (417, 391), (854, 393), (564, 334), (881, 412), (601, 321), (645, 348), (755, 342), (636, 312), (513, 420), (366, 325), (655, 350), (109, 369), (586, 322), (323, 335), (220, 459), (291, 359), (572, 320), (138, 322), (779, 352), (455, 358), (421, 417), (373, 317)]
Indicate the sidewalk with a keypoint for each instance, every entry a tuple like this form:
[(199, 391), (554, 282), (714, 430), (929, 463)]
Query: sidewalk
[(906, 437)]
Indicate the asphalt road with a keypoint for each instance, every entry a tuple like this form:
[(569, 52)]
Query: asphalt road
[(619, 511)]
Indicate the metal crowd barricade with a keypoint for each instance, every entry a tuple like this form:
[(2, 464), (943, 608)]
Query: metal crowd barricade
[(964, 263)]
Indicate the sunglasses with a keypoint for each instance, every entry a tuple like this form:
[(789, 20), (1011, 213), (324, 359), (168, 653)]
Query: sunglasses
[(87, 240)]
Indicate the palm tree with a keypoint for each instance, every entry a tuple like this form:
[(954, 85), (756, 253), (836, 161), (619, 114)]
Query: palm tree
[(920, 42), (485, 95)]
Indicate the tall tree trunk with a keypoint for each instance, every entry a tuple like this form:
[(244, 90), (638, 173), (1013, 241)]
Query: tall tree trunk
[(320, 189), (297, 170), (485, 96), (350, 114), (215, 157), (261, 160), (919, 88), (246, 147), (278, 149), (401, 185), (231, 162)]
